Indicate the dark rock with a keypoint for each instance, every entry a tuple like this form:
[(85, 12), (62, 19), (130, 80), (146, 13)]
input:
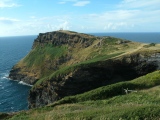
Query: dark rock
[(58, 38), (91, 77)]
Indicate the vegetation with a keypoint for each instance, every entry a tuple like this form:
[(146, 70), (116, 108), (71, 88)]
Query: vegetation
[(68, 69), (107, 102), (37, 60), (150, 45), (144, 82), (104, 103), (38, 55), (48, 61), (3, 116)]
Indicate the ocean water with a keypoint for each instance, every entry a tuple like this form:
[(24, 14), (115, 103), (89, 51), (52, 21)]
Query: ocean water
[(153, 37), (13, 95)]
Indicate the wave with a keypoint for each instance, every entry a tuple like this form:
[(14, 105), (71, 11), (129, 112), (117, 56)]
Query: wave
[(23, 83), (4, 76), (2, 88)]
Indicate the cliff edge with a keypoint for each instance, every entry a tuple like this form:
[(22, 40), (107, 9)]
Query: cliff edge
[(63, 63)]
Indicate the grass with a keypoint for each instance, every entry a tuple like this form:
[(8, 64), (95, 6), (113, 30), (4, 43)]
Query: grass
[(150, 45), (106, 103), (47, 61), (38, 55), (105, 92), (40, 59), (68, 69)]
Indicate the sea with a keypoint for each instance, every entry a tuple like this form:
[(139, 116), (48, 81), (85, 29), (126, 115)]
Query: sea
[(13, 94), (143, 37)]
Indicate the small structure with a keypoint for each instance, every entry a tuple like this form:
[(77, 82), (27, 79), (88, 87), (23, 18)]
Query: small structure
[(129, 91), (61, 29)]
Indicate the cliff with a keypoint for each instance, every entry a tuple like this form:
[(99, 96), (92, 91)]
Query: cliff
[(106, 102), (64, 63)]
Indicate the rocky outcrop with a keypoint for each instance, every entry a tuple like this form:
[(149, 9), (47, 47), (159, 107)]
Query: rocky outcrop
[(59, 38), (56, 38), (15, 75), (83, 53), (93, 76)]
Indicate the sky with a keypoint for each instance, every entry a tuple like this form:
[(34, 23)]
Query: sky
[(31, 17)]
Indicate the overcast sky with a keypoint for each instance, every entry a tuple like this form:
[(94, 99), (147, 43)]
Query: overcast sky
[(31, 17)]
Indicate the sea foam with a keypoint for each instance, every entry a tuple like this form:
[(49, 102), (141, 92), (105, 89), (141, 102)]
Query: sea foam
[(23, 83), (4, 76)]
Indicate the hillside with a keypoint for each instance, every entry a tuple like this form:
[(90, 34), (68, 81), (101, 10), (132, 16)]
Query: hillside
[(55, 50), (64, 63), (107, 102)]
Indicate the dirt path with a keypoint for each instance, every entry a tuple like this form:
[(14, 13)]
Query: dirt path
[(131, 51)]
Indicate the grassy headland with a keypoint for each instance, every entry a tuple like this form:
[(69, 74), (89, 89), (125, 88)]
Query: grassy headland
[(63, 62), (107, 102)]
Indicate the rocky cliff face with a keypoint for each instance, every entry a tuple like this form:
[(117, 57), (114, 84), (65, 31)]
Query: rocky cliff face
[(59, 38), (64, 63), (72, 40), (93, 76), (15, 75)]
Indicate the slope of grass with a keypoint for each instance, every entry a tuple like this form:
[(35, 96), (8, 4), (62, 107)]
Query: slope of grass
[(48, 61), (40, 59), (108, 102), (39, 54), (144, 82), (71, 68)]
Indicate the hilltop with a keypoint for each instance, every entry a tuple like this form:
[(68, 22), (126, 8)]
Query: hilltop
[(65, 63)]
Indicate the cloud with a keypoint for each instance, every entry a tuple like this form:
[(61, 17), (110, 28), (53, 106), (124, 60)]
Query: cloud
[(81, 3), (120, 20), (8, 21), (115, 26), (8, 4), (142, 4), (65, 1), (127, 16), (78, 3), (33, 26), (130, 15), (62, 2), (65, 25)]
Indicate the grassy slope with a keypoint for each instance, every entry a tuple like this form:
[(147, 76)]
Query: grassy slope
[(107, 102), (35, 62), (38, 62), (105, 53), (101, 103)]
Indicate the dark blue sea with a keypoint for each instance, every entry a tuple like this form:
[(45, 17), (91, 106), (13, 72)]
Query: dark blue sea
[(13, 95), (153, 37)]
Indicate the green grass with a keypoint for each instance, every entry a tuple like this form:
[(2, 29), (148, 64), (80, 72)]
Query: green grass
[(94, 110), (44, 61), (41, 59), (71, 68), (110, 40), (149, 45), (105, 92), (106, 103), (39, 54)]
